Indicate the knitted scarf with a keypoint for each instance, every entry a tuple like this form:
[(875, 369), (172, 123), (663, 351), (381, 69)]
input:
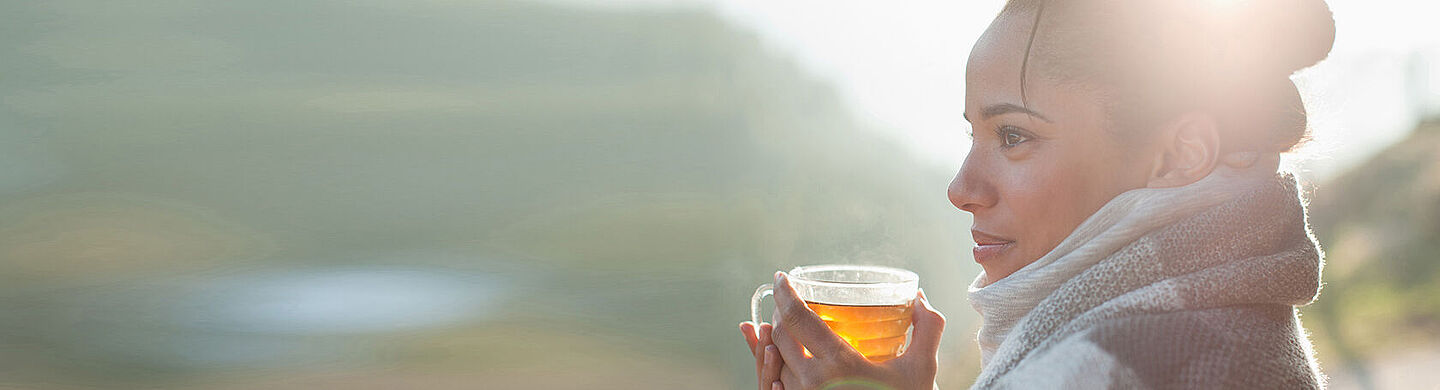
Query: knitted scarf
[(1188, 287)]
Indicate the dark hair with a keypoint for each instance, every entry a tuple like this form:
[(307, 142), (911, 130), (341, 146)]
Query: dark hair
[(1155, 59)]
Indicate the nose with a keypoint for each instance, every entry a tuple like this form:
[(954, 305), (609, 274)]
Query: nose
[(971, 190)]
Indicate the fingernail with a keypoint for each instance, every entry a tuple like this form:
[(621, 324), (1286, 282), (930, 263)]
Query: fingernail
[(769, 354), (775, 385)]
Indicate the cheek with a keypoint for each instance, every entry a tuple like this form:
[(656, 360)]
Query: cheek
[(1049, 196)]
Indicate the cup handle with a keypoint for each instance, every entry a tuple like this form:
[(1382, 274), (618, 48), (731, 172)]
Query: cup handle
[(760, 293)]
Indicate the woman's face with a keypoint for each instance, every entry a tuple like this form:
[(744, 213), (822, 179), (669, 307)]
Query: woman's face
[(1036, 169)]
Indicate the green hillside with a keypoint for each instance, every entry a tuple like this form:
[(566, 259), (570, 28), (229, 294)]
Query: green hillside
[(1379, 224), (185, 185)]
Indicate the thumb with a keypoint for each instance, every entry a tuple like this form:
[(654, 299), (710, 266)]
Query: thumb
[(929, 324)]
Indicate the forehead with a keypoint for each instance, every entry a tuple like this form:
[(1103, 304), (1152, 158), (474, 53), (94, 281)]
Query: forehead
[(992, 74)]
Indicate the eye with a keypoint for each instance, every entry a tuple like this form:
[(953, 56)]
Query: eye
[(1011, 136)]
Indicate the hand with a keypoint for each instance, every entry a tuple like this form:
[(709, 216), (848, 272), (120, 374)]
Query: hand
[(767, 356), (832, 363)]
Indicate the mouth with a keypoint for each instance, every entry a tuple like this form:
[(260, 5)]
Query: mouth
[(989, 246)]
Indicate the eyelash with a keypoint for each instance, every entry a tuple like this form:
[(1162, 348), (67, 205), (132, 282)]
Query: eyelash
[(1004, 132)]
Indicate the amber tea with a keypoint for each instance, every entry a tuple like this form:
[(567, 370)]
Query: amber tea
[(878, 332), (868, 306)]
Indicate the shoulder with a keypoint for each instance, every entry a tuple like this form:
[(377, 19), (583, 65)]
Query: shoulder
[(1253, 346), (1073, 363)]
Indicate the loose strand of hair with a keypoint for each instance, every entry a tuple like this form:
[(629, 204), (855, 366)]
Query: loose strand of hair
[(1025, 61)]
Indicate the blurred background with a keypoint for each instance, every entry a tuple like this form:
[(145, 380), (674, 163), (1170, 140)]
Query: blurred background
[(565, 194)]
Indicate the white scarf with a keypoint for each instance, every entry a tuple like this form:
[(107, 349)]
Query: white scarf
[(1005, 303)]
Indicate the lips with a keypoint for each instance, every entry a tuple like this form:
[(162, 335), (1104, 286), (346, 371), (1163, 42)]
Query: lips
[(989, 246)]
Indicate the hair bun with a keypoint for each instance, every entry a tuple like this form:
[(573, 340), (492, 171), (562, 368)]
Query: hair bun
[(1289, 35)]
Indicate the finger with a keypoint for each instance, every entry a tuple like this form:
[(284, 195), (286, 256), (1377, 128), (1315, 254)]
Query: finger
[(777, 385), (764, 338), (752, 337), (929, 324), (747, 329), (802, 324), (773, 365), (790, 350), (764, 342)]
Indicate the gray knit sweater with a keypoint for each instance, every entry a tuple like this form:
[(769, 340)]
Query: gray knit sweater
[(1189, 287)]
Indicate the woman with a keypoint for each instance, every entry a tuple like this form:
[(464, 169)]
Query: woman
[(1129, 217)]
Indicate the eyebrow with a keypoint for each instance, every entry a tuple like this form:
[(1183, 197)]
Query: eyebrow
[(1005, 108)]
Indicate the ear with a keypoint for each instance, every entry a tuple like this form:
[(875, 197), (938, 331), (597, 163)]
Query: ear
[(1189, 149)]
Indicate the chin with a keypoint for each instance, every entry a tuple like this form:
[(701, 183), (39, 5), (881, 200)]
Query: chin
[(1001, 267)]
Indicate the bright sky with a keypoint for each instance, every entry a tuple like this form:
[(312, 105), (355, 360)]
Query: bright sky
[(902, 68)]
